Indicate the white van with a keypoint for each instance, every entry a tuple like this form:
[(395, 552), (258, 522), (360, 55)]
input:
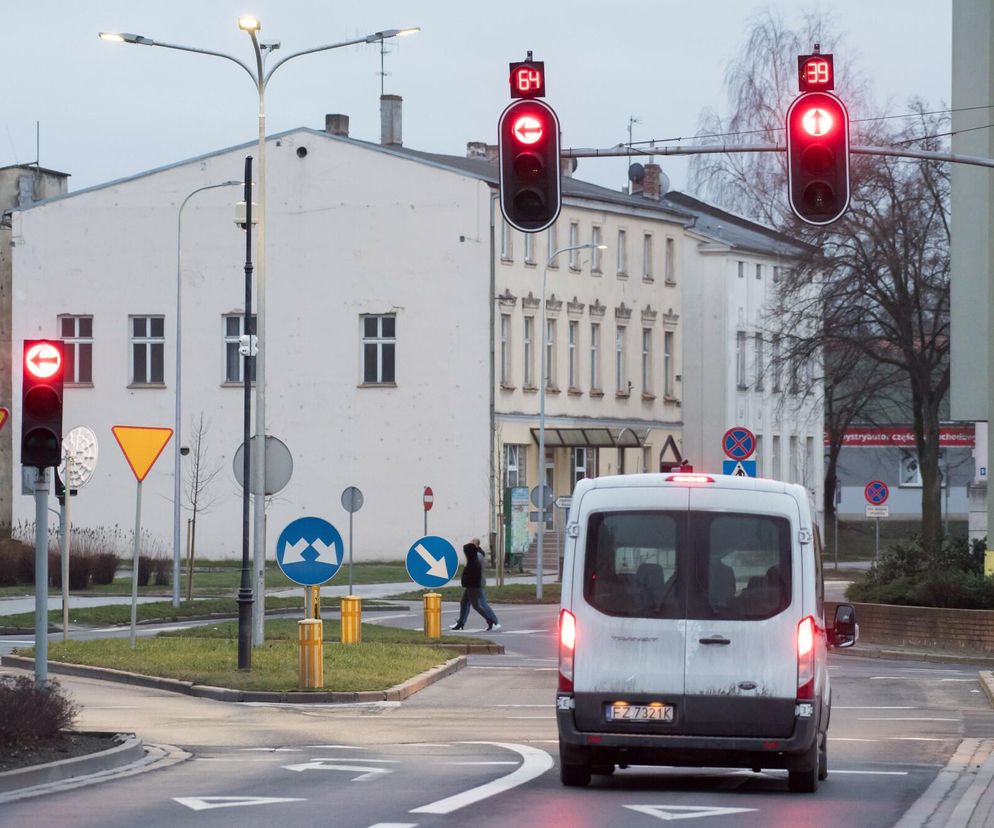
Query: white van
[(692, 628)]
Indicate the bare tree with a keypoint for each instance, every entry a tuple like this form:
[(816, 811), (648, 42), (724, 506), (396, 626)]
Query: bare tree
[(199, 489)]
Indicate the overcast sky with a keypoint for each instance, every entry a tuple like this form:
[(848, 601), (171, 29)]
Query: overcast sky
[(110, 110)]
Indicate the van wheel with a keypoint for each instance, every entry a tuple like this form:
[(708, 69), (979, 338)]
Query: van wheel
[(805, 778), (602, 770), (574, 771), (823, 758)]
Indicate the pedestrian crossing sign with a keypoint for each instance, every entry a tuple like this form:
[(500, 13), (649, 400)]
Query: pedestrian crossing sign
[(739, 468)]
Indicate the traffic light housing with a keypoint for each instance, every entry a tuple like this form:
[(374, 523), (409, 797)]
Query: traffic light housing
[(41, 403), (528, 144), (818, 157)]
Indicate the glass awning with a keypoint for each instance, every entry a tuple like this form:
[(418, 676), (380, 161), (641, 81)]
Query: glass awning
[(595, 437)]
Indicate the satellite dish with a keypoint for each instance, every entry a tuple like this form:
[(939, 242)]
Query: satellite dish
[(79, 450), (636, 173), (664, 183)]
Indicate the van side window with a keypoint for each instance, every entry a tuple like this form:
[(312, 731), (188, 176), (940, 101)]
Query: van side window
[(819, 573), (632, 566), (741, 566)]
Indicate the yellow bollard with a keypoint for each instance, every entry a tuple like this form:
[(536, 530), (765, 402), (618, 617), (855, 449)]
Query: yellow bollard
[(988, 562), (311, 635), (433, 615), (315, 601), (351, 619)]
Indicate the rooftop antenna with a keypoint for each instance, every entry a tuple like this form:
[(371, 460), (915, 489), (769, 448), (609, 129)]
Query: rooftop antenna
[(383, 73), (632, 120)]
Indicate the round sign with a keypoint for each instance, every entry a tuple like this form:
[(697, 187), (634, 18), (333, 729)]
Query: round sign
[(279, 465), (541, 497), (352, 499), (80, 447), (43, 360), (429, 498), (876, 492), (738, 443), (432, 561), (309, 551)]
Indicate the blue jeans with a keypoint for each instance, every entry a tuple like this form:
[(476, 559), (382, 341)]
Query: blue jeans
[(477, 598)]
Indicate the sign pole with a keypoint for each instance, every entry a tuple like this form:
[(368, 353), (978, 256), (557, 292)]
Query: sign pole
[(350, 553), (41, 576), (66, 535), (877, 553), (134, 564)]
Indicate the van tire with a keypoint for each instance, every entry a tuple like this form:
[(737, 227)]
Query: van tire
[(805, 778), (602, 770), (574, 771), (823, 758)]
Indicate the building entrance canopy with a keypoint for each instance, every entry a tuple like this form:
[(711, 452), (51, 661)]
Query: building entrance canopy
[(597, 437)]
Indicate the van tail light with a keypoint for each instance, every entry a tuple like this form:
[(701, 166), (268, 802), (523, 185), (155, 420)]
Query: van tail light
[(689, 479), (567, 647), (806, 658)]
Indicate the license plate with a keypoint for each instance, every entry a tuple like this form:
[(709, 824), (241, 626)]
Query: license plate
[(655, 712)]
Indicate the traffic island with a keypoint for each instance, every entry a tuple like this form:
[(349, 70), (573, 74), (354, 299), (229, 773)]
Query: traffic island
[(97, 752)]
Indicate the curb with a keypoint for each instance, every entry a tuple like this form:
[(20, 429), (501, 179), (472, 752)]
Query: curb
[(884, 652), (130, 749), (398, 692)]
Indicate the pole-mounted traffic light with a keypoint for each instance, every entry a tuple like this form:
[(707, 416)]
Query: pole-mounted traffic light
[(528, 145), (817, 145), (41, 403)]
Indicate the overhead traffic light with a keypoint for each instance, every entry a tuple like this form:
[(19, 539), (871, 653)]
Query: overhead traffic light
[(41, 403), (528, 143), (818, 155)]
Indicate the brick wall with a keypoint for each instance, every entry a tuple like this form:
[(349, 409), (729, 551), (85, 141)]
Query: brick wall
[(947, 629)]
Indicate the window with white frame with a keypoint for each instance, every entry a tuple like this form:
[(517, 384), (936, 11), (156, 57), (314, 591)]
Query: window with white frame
[(622, 253), (760, 357), (809, 462), (234, 329), (506, 241), (740, 359), (776, 274), (550, 354), (552, 245), (505, 349), (528, 351), (621, 378), (379, 349), (573, 344), (596, 257), (515, 466), (793, 459), (647, 256), (595, 356), (759, 271), (147, 349), (742, 269), (529, 248), (77, 344), (583, 463), (758, 455), (776, 470), (647, 360), (909, 472), (776, 364), (668, 373), (669, 267), (574, 241)]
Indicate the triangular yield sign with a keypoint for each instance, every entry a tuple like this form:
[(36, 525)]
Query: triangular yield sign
[(672, 812), (142, 446), (206, 803), (4, 416)]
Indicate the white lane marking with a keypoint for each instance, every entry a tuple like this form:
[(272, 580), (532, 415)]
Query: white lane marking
[(395, 825), (668, 813), (333, 747), (524, 632), (869, 773), (907, 719), (523, 705), (845, 739), (483, 763), (207, 803), (887, 678), (535, 763), (552, 716), (837, 707), (365, 772), (533, 669), (921, 738), (262, 749), (957, 679)]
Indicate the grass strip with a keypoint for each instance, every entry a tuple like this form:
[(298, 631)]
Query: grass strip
[(214, 661), (507, 594)]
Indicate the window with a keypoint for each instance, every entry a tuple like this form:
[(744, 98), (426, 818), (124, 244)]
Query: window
[(147, 346), (668, 389), (910, 473), (758, 456), (552, 238), (760, 356), (647, 256), (669, 270), (506, 251), (794, 367), (574, 241), (647, 360), (574, 335), (234, 328), (529, 248), (529, 356), (742, 269), (550, 354), (505, 349), (809, 462), (77, 343), (583, 463), (379, 345), (776, 472), (621, 385), (776, 274), (759, 271), (776, 364), (740, 359), (595, 356), (596, 253), (515, 466), (622, 253), (794, 461)]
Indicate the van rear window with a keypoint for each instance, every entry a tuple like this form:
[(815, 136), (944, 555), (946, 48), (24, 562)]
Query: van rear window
[(657, 564)]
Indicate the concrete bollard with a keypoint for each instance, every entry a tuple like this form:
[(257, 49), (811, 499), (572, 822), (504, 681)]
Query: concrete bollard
[(311, 639), (351, 619), (433, 615)]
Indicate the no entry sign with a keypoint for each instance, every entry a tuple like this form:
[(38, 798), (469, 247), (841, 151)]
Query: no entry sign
[(429, 498)]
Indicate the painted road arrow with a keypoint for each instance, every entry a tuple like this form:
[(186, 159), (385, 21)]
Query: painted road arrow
[(206, 803), (365, 773), (669, 813)]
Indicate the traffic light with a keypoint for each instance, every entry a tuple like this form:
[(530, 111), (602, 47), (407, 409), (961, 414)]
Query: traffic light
[(818, 157), (41, 403), (528, 143)]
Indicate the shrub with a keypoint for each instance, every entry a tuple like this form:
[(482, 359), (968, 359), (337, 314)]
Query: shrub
[(17, 560), (103, 567), (162, 570), (32, 714), (144, 570)]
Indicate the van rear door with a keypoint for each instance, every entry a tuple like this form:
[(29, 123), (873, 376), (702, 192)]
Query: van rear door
[(743, 608)]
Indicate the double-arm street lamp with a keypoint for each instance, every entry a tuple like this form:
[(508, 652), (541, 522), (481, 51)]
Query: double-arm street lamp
[(260, 77), (543, 381)]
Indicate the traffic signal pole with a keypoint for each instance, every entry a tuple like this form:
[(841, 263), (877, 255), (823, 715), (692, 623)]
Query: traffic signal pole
[(41, 481)]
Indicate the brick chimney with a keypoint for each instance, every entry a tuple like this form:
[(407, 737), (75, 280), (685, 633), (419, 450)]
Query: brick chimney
[(481, 149), (390, 120), (650, 184), (337, 125)]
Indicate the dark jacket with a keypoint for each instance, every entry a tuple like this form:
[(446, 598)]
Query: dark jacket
[(472, 573)]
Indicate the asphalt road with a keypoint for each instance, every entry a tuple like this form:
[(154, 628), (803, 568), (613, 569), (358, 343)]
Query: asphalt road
[(480, 747)]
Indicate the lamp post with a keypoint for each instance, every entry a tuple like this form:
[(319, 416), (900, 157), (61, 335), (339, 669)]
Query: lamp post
[(260, 77), (177, 442), (541, 413)]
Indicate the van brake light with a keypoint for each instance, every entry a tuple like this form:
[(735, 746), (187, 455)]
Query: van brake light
[(567, 646), (806, 658), (689, 479)]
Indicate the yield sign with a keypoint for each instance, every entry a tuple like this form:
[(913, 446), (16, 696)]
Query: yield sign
[(142, 446), (4, 416), (671, 812)]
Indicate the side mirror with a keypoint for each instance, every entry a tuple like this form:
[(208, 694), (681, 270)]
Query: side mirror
[(845, 631)]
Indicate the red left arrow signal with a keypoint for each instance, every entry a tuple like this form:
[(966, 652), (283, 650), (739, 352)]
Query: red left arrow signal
[(528, 129), (43, 360)]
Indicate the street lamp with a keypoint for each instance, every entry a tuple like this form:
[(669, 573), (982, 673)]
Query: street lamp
[(177, 442), (543, 381), (260, 77)]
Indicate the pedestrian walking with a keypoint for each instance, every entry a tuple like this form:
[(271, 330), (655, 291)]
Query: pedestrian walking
[(473, 593)]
